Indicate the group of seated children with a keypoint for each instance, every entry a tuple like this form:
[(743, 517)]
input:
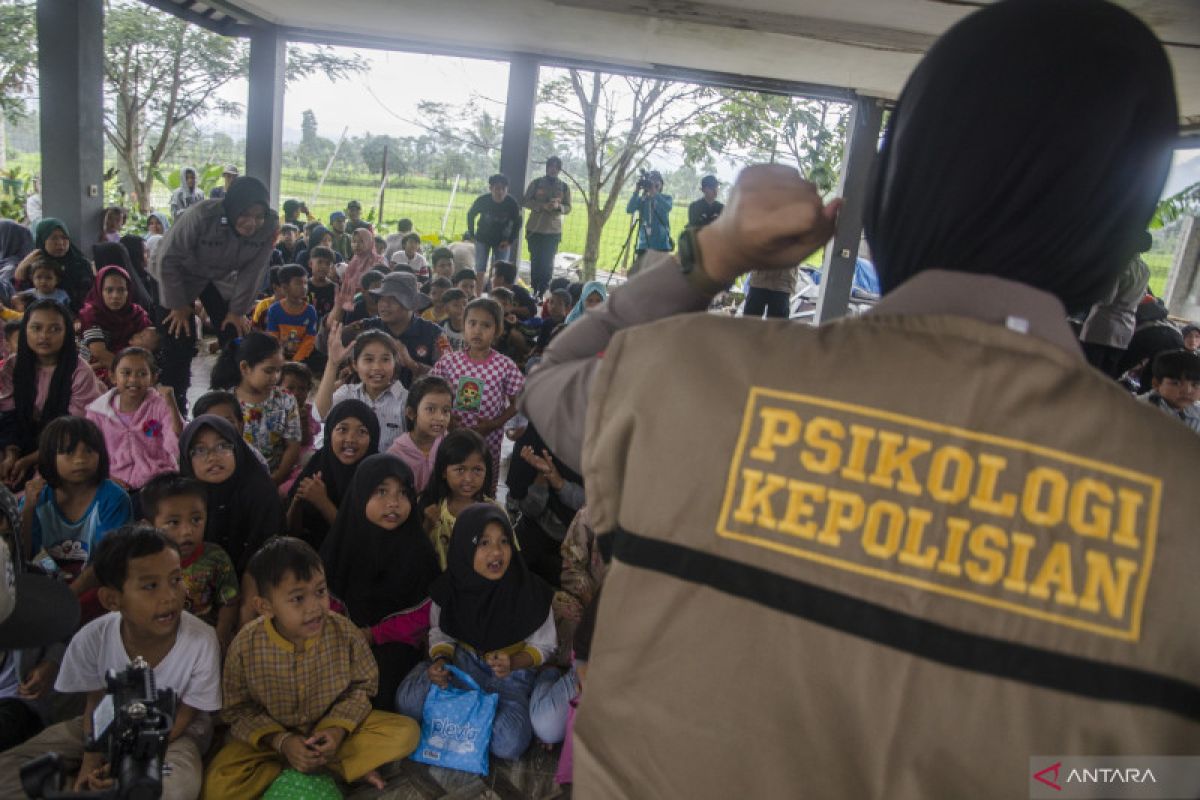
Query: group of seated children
[(300, 586)]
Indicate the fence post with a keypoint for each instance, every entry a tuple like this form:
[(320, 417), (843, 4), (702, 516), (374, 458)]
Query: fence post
[(321, 183), (382, 186)]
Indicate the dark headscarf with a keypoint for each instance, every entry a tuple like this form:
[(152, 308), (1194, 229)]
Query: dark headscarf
[(242, 194), (120, 325), (377, 572), (1031, 143), (488, 615), (334, 473), (77, 270), (30, 420), (244, 511), (16, 242)]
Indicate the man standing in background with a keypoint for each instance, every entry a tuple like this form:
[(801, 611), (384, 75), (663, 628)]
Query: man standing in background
[(708, 207), (547, 199), (229, 175)]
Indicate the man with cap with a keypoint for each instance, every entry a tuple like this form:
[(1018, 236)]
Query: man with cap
[(216, 253), (548, 198), (400, 304), (927, 552), (354, 212), (708, 207), (341, 239), (292, 209), (228, 175)]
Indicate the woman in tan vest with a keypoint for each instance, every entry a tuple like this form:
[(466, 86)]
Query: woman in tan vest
[(911, 554)]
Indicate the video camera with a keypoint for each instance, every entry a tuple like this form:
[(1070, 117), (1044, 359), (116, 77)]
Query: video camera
[(646, 179), (131, 725)]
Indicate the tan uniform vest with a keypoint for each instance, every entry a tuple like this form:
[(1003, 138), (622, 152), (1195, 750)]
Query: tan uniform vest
[(892, 557)]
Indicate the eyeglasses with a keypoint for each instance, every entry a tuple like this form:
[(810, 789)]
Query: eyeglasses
[(221, 449)]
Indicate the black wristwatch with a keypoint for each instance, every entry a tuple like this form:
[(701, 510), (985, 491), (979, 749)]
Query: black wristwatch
[(688, 253)]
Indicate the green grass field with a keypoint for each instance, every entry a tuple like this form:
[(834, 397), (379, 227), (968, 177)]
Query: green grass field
[(426, 205), (1160, 268)]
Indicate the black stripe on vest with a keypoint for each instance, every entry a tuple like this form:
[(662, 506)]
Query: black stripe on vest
[(918, 637)]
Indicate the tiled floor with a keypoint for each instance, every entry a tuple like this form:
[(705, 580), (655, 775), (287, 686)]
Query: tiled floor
[(531, 778)]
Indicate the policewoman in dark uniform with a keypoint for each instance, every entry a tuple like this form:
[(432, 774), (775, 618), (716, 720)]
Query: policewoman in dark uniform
[(898, 555)]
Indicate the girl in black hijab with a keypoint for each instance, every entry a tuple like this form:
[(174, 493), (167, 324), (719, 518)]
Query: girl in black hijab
[(351, 434), (1023, 150), (243, 503), (379, 563), (491, 618)]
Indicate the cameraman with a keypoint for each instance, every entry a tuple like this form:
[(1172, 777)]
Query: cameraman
[(654, 214)]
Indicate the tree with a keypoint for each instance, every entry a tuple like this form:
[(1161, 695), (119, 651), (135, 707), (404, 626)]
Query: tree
[(308, 128), (620, 121), (18, 55), (372, 152), (161, 72), (752, 128), (18, 63)]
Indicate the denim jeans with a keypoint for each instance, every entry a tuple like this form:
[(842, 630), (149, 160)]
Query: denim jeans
[(542, 248), (551, 702), (481, 255), (511, 731), (773, 302)]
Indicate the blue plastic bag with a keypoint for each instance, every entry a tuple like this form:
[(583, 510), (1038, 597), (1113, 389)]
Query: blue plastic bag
[(456, 725)]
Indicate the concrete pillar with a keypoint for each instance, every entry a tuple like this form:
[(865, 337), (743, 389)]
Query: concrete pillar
[(264, 107), (862, 145), (1182, 291), (71, 109), (518, 121)]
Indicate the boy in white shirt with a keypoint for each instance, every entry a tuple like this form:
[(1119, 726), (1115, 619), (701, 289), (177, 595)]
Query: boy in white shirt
[(142, 584)]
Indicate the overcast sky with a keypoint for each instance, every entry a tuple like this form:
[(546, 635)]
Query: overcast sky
[(383, 100)]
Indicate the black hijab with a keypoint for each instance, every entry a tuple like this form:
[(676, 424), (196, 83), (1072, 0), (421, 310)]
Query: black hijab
[(243, 193), (16, 242), (31, 420), (244, 511), (1031, 143), (377, 572), (488, 615), (336, 475)]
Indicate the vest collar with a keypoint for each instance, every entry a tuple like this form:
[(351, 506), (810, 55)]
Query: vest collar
[(998, 301)]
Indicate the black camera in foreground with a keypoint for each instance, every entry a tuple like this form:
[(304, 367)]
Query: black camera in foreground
[(131, 726)]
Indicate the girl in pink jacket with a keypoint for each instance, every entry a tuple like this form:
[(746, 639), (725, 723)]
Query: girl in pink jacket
[(140, 425)]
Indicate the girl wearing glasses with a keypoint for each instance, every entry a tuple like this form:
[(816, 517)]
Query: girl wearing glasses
[(243, 504)]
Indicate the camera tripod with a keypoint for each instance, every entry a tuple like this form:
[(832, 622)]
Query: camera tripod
[(635, 224)]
